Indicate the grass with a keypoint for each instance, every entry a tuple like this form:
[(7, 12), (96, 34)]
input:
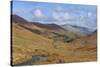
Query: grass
[(27, 44)]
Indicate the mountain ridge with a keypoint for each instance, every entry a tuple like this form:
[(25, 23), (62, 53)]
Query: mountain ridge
[(75, 28)]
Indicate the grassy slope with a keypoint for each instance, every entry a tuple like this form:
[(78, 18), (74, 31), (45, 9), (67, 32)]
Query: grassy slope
[(26, 44)]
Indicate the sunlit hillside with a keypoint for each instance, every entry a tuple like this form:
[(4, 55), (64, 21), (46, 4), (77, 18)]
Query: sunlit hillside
[(26, 44)]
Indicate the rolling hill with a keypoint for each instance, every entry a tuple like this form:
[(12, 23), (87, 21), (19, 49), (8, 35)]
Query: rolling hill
[(18, 19), (73, 28), (25, 42), (36, 27), (31, 39)]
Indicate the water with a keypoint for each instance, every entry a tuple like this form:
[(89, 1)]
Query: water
[(37, 58), (33, 59)]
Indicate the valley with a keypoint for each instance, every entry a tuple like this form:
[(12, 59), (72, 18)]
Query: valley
[(50, 44)]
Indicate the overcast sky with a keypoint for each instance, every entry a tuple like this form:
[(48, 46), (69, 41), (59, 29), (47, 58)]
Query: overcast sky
[(58, 13)]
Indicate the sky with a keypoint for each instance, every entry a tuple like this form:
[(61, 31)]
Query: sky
[(57, 13)]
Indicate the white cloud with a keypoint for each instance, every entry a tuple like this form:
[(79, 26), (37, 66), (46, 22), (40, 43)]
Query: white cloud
[(89, 14), (55, 16), (61, 16), (84, 19), (76, 18), (38, 13), (67, 15)]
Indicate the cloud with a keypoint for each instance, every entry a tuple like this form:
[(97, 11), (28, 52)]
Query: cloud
[(56, 16), (38, 13), (61, 16), (89, 14), (80, 18), (67, 15)]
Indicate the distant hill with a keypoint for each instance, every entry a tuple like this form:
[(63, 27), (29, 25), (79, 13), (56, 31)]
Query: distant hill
[(74, 28), (48, 26), (36, 27), (18, 19), (48, 30)]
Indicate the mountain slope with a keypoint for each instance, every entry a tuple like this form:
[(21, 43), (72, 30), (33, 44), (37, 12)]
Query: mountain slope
[(28, 41), (25, 42), (49, 26), (18, 19), (79, 29), (36, 27), (87, 42)]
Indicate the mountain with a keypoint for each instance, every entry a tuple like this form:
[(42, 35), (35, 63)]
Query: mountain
[(30, 39), (18, 19), (95, 31), (24, 43), (47, 30), (74, 28), (36, 27), (49, 26)]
